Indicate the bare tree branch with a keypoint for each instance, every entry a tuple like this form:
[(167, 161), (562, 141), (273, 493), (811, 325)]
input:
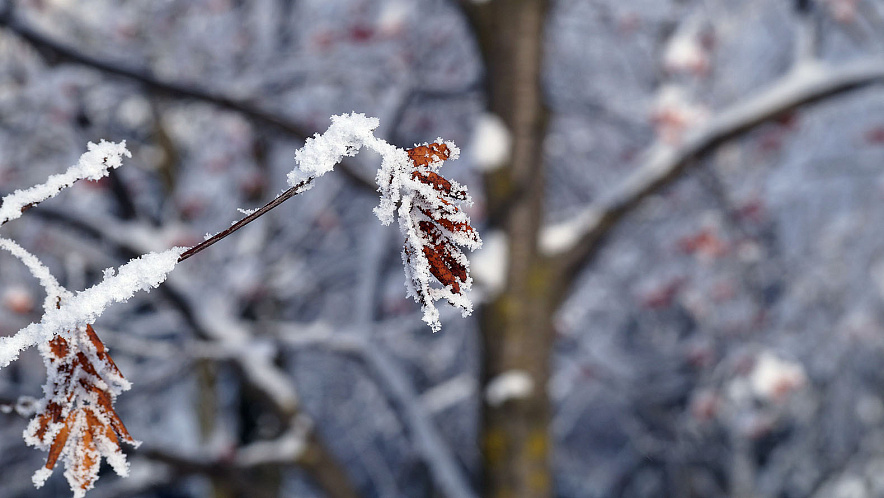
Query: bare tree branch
[(284, 450), (288, 194), (573, 243)]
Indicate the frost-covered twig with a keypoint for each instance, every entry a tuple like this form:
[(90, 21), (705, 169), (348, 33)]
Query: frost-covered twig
[(295, 189), (54, 290), (75, 421), (428, 207), (93, 165), (84, 307)]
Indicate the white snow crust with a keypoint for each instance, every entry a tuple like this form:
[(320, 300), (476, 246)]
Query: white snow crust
[(95, 164), (85, 307)]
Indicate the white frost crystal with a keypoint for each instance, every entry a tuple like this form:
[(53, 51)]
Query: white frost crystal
[(320, 154)]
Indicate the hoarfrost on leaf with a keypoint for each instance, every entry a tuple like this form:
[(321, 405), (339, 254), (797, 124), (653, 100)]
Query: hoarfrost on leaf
[(427, 205), (76, 421), (435, 228)]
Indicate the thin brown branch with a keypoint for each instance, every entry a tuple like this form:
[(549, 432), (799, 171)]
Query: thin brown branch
[(288, 194), (573, 244), (47, 45)]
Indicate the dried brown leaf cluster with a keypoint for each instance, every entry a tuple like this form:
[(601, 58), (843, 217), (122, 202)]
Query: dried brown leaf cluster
[(76, 421), (439, 229)]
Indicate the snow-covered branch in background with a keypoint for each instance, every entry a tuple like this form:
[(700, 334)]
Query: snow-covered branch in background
[(573, 242), (428, 207), (441, 462)]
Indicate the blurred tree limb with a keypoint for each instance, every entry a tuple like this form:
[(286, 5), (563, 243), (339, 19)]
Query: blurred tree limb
[(572, 244), (55, 49), (443, 466)]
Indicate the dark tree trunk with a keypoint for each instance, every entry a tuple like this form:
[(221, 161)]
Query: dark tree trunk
[(517, 327)]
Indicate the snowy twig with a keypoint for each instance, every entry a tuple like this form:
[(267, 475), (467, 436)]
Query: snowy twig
[(84, 307), (93, 165), (54, 290), (574, 242), (427, 205), (215, 328), (298, 188)]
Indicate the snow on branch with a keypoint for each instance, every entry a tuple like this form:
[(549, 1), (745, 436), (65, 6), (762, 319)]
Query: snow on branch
[(54, 290), (320, 153), (84, 307), (94, 164), (574, 241), (428, 207)]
